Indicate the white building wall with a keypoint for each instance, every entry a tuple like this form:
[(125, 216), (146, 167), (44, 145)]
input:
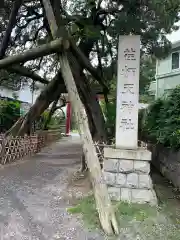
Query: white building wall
[(164, 66), (6, 92), (24, 95)]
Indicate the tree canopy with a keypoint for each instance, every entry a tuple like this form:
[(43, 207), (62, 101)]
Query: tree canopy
[(94, 26)]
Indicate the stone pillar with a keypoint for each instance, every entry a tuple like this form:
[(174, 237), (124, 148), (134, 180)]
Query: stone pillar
[(127, 92), (127, 175), (127, 167)]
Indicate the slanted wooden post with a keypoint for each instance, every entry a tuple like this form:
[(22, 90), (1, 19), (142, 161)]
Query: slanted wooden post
[(103, 203), (68, 118)]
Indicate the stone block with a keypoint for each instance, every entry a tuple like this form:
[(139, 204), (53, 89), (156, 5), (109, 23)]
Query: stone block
[(114, 193), (144, 196), (126, 166), (132, 180), (109, 178), (145, 181), (121, 179), (137, 154), (141, 167), (126, 194), (111, 165)]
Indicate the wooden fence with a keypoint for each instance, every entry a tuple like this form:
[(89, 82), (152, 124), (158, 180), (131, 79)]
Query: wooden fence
[(15, 148)]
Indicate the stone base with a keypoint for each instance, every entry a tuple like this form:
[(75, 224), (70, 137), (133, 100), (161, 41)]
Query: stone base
[(126, 173), (133, 195)]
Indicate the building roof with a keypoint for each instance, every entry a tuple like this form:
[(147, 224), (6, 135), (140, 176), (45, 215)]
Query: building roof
[(13, 99), (176, 44)]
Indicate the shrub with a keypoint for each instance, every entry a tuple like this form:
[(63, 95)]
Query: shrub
[(161, 122), (149, 120), (9, 114)]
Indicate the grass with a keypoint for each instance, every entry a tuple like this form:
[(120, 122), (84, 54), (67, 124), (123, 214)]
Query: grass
[(134, 220), (138, 212), (75, 131), (87, 208), (124, 210)]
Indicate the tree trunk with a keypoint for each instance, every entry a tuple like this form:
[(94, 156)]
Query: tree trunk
[(11, 24), (105, 210), (15, 128), (34, 53), (88, 97), (80, 59), (92, 107), (52, 111), (46, 97), (5, 42), (23, 71)]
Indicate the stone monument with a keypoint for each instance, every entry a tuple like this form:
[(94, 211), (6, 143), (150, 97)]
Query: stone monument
[(127, 166)]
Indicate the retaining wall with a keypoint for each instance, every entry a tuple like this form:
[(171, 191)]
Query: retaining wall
[(167, 161)]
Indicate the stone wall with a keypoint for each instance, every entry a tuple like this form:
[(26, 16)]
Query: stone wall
[(167, 161), (126, 173)]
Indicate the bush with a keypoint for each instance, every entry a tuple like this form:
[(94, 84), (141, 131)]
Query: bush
[(9, 114), (161, 121), (149, 120)]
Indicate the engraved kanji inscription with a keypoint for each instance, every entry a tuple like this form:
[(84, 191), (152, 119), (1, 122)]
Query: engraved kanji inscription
[(130, 54), (128, 88), (127, 71), (125, 105), (126, 124)]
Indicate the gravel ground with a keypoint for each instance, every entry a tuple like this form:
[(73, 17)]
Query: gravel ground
[(34, 196), (35, 193)]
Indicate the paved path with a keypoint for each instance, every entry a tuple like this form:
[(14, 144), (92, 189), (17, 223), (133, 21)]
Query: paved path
[(32, 205)]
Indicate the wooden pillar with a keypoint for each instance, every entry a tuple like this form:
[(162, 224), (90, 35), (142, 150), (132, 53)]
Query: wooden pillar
[(68, 118)]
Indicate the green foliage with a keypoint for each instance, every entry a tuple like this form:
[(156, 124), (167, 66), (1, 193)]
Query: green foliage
[(73, 124), (124, 210), (44, 115), (92, 23), (147, 73), (55, 122), (149, 119), (11, 80), (87, 207), (9, 114), (161, 121), (146, 98), (109, 111)]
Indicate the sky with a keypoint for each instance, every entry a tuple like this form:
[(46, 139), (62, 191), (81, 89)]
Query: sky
[(175, 36)]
